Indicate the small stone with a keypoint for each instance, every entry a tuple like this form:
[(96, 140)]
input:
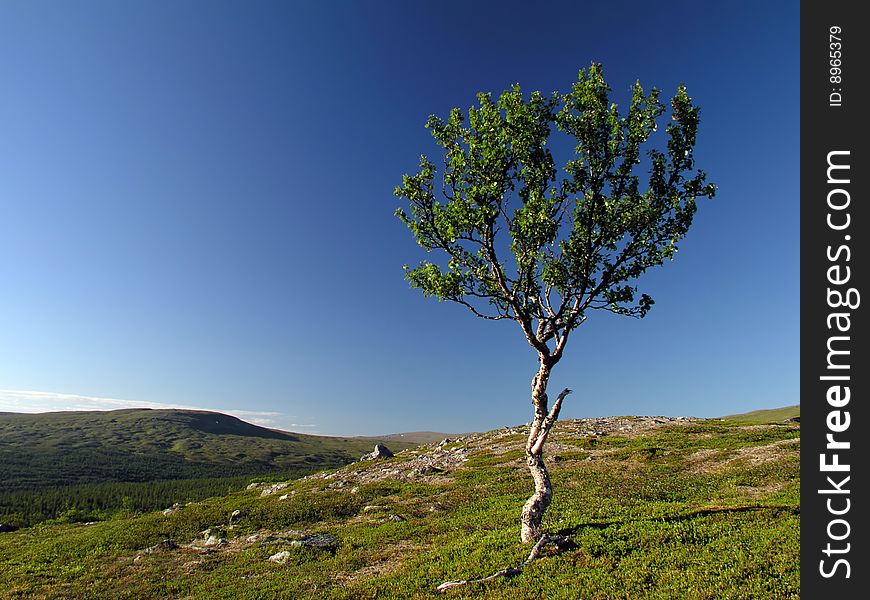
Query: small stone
[(284, 497), (274, 488), (393, 518), (214, 541), (280, 557), (292, 533), (316, 540), (172, 509), (164, 545)]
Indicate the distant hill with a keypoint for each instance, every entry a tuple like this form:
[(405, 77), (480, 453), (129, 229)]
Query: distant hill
[(415, 437), (135, 445), (769, 415)]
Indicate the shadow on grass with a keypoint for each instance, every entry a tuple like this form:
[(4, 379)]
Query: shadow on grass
[(777, 510)]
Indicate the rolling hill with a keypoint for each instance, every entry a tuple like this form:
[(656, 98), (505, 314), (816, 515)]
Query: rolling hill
[(768, 415), (136, 445)]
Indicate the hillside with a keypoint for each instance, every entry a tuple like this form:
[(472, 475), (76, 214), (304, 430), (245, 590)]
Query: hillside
[(768, 415), (83, 466), (655, 508), (412, 437), (134, 445)]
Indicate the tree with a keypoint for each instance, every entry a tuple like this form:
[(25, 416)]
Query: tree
[(579, 237)]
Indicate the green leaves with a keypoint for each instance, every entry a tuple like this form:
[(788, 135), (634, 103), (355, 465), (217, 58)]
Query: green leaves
[(578, 236)]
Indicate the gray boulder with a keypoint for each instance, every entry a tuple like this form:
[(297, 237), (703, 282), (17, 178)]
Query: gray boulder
[(323, 541), (381, 451)]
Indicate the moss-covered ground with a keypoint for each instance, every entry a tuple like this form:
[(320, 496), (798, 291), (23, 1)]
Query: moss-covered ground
[(700, 509)]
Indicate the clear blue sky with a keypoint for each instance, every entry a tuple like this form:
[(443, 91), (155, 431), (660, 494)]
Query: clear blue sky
[(196, 209)]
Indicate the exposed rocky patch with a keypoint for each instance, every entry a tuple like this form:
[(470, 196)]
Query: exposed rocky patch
[(434, 463), (714, 461)]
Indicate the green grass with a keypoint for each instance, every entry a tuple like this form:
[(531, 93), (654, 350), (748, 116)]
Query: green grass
[(707, 510), (771, 415)]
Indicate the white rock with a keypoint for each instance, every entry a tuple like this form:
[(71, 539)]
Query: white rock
[(214, 541), (280, 557)]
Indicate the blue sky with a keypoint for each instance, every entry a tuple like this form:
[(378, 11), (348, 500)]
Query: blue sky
[(196, 210)]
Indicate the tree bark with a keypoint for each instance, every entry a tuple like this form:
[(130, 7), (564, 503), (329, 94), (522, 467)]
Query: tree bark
[(536, 505)]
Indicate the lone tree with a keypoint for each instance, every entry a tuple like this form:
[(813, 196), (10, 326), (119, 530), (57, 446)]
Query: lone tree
[(579, 237)]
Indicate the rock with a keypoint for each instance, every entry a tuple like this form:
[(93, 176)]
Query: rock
[(172, 509), (381, 451), (277, 487), (214, 541), (164, 545), (428, 470), (254, 485), (235, 516), (255, 537), (444, 442), (374, 507), (323, 541), (284, 537), (280, 557), (393, 518), (292, 533), (283, 497)]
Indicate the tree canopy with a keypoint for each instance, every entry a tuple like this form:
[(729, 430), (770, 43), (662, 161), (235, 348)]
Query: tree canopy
[(578, 236)]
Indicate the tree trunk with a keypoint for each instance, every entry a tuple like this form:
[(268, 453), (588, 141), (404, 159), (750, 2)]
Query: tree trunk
[(533, 511)]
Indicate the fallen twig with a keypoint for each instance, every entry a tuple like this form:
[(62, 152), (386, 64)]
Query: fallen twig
[(510, 571)]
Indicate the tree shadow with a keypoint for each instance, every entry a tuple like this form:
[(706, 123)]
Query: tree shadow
[(703, 512)]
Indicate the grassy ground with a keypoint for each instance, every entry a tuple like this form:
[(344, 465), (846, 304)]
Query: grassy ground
[(703, 509), (770, 415)]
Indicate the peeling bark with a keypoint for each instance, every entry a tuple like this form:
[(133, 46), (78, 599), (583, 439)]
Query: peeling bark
[(535, 507), (533, 510)]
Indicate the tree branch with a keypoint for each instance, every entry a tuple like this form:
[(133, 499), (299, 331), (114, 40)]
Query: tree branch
[(551, 418), (480, 314), (510, 571)]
